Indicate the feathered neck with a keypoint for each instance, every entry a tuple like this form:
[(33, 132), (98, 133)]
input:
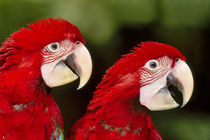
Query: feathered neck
[(27, 108), (115, 89), (21, 82), (21, 87), (21, 79)]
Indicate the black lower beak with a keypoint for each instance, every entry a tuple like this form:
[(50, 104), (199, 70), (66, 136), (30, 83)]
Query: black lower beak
[(175, 89), (71, 64)]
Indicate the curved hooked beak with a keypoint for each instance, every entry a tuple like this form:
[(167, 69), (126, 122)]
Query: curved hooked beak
[(179, 82), (80, 63), (69, 68)]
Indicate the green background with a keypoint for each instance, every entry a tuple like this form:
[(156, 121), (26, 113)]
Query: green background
[(111, 28)]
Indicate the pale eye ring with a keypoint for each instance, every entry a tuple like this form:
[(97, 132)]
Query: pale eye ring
[(152, 64), (53, 47)]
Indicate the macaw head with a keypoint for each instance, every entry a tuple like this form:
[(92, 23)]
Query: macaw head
[(156, 72), (54, 47)]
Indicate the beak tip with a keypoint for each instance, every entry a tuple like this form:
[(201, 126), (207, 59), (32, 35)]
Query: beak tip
[(183, 105), (85, 62), (82, 83), (185, 102), (79, 87)]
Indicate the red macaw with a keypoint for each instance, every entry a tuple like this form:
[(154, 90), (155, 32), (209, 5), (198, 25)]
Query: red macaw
[(49, 53), (147, 77)]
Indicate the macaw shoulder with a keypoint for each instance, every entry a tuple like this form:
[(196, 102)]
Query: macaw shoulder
[(93, 128)]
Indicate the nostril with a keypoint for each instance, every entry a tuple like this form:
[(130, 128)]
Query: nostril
[(78, 42), (177, 59)]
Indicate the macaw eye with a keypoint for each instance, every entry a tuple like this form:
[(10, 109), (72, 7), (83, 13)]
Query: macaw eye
[(152, 64), (53, 47)]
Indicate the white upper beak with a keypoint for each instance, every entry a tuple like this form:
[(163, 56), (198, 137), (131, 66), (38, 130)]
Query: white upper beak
[(81, 62), (183, 75)]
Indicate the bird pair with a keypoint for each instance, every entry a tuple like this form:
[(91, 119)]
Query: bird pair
[(51, 52)]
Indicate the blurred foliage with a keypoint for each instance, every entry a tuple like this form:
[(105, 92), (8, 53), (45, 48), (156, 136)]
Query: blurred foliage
[(100, 19), (185, 13), (14, 15), (111, 28), (174, 125)]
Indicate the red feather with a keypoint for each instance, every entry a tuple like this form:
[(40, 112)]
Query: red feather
[(115, 112), (27, 109)]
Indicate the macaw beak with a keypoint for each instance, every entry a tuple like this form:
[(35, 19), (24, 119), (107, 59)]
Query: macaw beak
[(77, 64), (178, 82), (182, 79), (80, 63)]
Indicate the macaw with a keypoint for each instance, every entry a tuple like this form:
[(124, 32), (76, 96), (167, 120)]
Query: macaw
[(49, 53), (147, 78)]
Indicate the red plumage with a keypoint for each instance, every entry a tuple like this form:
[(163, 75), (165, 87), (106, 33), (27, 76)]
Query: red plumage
[(115, 112), (27, 109)]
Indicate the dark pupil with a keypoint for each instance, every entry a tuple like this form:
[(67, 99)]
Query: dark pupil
[(153, 64), (54, 46)]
